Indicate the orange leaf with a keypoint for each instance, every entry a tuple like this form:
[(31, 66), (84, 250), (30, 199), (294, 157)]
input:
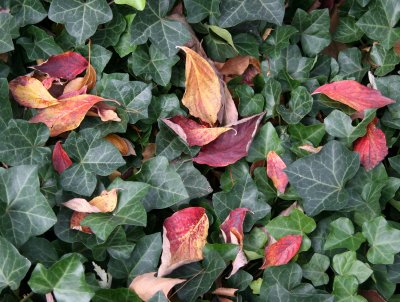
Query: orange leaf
[(193, 133), (88, 81), (224, 291), (67, 115), (122, 144), (372, 146), (203, 89), (75, 223), (60, 158), (185, 235), (282, 251), (147, 285), (106, 202), (275, 166), (354, 95), (81, 205), (30, 92)]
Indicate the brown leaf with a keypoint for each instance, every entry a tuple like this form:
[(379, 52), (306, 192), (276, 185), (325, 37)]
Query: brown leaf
[(203, 92), (149, 151), (224, 291), (184, 236), (124, 146), (75, 222), (147, 285)]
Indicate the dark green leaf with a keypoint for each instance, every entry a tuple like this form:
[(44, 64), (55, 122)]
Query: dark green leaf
[(197, 10), (341, 235), (299, 105), (315, 269), (265, 140), (117, 294), (347, 30)]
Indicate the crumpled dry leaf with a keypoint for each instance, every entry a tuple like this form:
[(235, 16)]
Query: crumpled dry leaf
[(106, 202), (123, 145)]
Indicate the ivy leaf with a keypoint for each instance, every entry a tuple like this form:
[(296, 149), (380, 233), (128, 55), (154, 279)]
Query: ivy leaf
[(138, 4), (24, 211), (320, 178), (110, 34), (278, 40), (345, 289), (310, 133), (350, 65), (27, 12), (384, 241), (119, 294), (385, 60), (151, 23), (166, 186), (315, 269), (347, 30), (66, 279), (14, 267), (341, 235), (313, 29), (152, 63), (80, 18), (300, 104), (237, 11), (23, 143), (266, 140), (346, 264), (130, 210), (91, 156), (198, 10)]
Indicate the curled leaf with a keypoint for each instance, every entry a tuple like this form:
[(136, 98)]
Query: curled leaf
[(106, 202), (105, 112), (193, 133), (185, 235), (275, 167), (354, 95), (67, 115), (224, 291), (123, 145), (282, 251), (147, 285), (30, 92), (63, 66), (60, 158), (75, 222), (310, 148), (372, 146), (203, 91)]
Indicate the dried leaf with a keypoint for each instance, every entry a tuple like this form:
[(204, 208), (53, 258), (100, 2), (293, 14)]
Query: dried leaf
[(124, 146), (105, 112), (372, 146), (81, 205), (75, 222), (107, 201), (238, 65), (105, 278), (185, 235), (275, 167), (88, 81), (228, 113), (224, 291), (203, 91), (230, 146), (67, 115), (282, 251), (30, 92), (147, 285), (149, 151), (60, 158), (63, 66), (354, 95), (310, 148), (193, 133)]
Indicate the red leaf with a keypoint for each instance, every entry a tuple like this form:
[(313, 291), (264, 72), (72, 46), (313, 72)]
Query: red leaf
[(185, 235), (230, 146), (354, 95), (232, 230), (282, 251), (60, 158), (372, 146), (372, 296), (275, 166), (65, 66), (193, 133)]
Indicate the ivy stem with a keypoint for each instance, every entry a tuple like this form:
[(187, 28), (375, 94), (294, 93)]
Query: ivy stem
[(26, 297)]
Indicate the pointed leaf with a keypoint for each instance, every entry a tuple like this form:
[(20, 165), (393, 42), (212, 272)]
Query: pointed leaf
[(315, 269), (341, 235), (282, 251), (275, 167), (346, 264), (60, 158), (185, 235)]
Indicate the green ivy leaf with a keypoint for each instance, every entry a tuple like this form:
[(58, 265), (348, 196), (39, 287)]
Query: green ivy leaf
[(110, 34), (166, 186), (272, 92), (350, 65), (300, 104), (27, 12), (315, 269), (66, 279), (311, 133), (384, 241), (6, 113), (138, 4), (24, 211), (99, 56), (313, 29), (345, 289), (198, 10), (347, 30), (234, 12), (386, 60), (80, 18), (116, 294), (265, 140), (278, 40), (91, 156), (249, 103), (6, 43), (346, 264), (341, 235), (129, 211), (151, 23), (152, 63), (218, 49), (13, 266), (116, 245), (320, 178), (39, 250)]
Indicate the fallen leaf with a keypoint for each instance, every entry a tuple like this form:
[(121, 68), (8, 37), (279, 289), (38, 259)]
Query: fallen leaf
[(106, 202), (203, 91), (147, 285), (354, 95), (88, 81), (49, 297), (67, 115), (282, 251), (230, 146), (30, 92), (310, 148), (372, 296), (232, 231), (105, 112), (193, 133), (275, 167), (63, 66), (105, 278), (184, 236), (372, 146), (75, 222), (228, 113), (123, 145), (224, 291), (238, 65), (60, 158), (81, 205), (149, 151)]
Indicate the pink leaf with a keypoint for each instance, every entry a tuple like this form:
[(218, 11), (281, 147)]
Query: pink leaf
[(275, 166)]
